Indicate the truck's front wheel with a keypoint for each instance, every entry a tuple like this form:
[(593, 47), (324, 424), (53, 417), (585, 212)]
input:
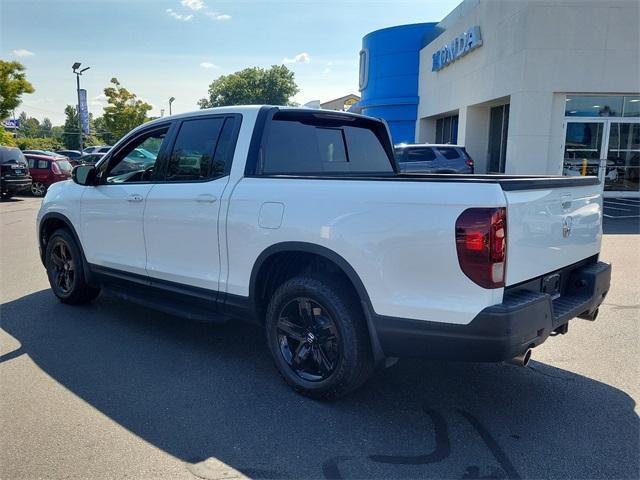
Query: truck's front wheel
[(317, 336)]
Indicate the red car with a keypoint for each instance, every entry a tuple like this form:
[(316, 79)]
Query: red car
[(46, 170)]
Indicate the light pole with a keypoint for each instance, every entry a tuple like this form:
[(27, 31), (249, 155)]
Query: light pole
[(170, 102), (75, 68)]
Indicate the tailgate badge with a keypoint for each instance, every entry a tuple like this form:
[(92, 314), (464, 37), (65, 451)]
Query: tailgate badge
[(566, 226)]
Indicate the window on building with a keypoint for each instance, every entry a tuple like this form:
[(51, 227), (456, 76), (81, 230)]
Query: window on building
[(447, 129), (498, 132), (602, 106), (631, 106)]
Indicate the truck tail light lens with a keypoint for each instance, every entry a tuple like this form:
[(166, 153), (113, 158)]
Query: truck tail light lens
[(55, 168), (481, 243)]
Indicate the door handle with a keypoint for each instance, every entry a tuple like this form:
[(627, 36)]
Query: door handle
[(206, 198), (134, 197)]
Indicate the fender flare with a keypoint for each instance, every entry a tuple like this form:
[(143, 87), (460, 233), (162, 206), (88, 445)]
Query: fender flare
[(342, 264)]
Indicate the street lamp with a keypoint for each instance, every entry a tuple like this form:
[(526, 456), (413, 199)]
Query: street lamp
[(170, 102), (75, 68)]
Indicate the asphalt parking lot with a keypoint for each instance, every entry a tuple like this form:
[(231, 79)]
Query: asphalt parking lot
[(113, 390)]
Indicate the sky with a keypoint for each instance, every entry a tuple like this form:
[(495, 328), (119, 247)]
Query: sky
[(175, 48)]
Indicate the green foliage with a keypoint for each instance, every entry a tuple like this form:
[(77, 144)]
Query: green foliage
[(124, 112), (6, 138), (252, 86), (38, 144), (70, 135), (29, 126), (13, 84), (46, 128), (100, 129)]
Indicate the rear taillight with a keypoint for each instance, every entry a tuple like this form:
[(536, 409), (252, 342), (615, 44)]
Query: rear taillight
[(469, 162), (55, 168), (481, 243)]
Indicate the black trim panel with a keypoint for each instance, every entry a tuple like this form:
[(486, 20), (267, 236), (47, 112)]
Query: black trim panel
[(507, 182), (524, 319), (174, 298)]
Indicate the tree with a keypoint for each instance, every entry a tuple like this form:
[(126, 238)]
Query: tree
[(100, 129), (13, 84), (70, 137), (124, 112), (46, 128), (251, 86), (29, 126)]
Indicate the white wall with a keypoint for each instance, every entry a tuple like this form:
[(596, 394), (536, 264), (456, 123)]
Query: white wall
[(534, 51)]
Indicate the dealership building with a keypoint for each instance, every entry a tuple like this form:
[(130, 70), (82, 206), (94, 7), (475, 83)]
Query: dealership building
[(529, 87)]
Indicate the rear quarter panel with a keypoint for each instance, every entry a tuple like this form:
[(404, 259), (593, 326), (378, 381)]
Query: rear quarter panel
[(398, 237)]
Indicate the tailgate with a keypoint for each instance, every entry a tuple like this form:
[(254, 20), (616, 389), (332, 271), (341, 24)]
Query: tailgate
[(551, 228)]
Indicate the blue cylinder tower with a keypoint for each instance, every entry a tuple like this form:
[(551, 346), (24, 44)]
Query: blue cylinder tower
[(389, 66)]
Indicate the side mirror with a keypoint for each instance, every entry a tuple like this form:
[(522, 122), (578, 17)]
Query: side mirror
[(84, 175)]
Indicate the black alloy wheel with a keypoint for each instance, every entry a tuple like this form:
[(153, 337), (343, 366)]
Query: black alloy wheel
[(64, 273), (317, 336), (65, 269), (309, 339)]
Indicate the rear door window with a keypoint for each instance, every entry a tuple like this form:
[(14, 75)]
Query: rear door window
[(449, 153), (315, 147), (419, 155)]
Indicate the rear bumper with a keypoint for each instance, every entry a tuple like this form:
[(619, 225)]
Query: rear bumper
[(524, 319), (15, 186)]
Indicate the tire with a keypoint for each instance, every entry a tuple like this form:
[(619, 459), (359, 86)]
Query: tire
[(323, 350), (6, 196), (38, 189), (65, 270)]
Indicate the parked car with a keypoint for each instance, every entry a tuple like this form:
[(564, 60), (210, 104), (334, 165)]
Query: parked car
[(433, 158), (97, 149), (300, 221), (14, 172), (90, 158), (49, 153), (71, 154), (46, 170)]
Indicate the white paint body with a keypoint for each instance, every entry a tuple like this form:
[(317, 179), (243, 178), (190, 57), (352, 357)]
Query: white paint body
[(399, 237)]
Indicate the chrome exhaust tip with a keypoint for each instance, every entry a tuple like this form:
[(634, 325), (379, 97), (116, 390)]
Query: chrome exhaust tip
[(521, 360)]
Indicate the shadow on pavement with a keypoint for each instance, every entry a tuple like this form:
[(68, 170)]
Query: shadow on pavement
[(618, 226), (208, 393)]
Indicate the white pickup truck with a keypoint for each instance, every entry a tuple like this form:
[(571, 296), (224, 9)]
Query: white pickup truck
[(299, 220)]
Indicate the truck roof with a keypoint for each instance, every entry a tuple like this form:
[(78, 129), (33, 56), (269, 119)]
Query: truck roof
[(251, 109)]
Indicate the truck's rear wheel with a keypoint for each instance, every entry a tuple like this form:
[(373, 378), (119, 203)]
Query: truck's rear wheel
[(65, 270), (317, 336)]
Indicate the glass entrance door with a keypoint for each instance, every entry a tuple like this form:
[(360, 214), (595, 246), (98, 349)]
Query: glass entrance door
[(623, 156), (607, 148), (583, 147)]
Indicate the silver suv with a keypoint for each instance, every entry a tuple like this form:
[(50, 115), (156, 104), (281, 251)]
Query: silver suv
[(433, 158)]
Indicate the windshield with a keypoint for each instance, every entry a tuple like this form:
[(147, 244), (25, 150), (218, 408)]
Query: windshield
[(64, 165), (12, 155)]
